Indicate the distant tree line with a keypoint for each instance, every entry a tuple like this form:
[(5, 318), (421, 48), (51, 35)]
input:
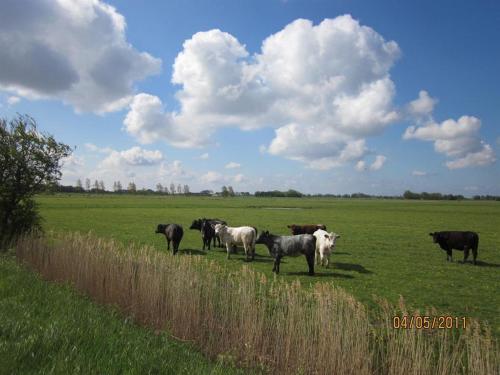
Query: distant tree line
[(276, 193), (432, 196)]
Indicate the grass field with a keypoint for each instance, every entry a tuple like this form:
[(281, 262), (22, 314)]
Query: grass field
[(384, 251), (50, 329)]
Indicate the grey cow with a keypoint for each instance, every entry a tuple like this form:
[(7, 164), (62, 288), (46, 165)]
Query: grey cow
[(172, 232), (280, 246)]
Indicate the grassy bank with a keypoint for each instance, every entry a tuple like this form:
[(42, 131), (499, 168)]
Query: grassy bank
[(243, 317), (48, 328)]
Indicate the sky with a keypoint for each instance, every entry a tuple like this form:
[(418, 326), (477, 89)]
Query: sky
[(337, 96)]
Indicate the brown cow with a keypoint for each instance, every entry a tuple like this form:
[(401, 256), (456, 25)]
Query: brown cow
[(305, 229)]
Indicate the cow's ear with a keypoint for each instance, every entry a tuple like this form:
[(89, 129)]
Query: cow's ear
[(327, 236)]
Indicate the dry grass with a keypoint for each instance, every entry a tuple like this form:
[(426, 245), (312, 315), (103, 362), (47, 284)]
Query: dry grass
[(244, 318)]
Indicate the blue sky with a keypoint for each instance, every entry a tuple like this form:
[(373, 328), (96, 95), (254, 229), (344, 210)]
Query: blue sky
[(320, 96)]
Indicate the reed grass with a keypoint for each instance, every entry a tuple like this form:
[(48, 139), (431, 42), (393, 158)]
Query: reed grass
[(244, 318)]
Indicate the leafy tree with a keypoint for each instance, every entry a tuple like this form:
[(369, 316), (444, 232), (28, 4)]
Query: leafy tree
[(79, 184), (101, 186), (224, 191), (186, 189), (230, 191), (179, 189), (87, 184), (159, 188), (29, 163), (172, 188)]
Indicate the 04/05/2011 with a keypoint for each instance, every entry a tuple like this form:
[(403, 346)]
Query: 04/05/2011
[(429, 322)]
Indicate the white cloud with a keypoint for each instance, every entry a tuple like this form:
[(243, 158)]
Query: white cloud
[(418, 173), (72, 166), (103, 150), (232, 165), (423, 105), (13, 100), (456, 139), (73, 51), (239, 178), (324, 88), (212, 178), (378, 163), (204, 156), (485, 156), (134, 156)]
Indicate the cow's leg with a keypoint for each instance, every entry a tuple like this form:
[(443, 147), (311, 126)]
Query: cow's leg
[(209, 240), (168, 244), (449, 257), (474, 254), (228, 248), (310, 263), (175, 245), (245, 247), (277, 261), (466, 253), (327, 261), (317, 256)]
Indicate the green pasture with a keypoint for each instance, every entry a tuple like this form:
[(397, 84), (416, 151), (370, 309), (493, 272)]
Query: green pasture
[(384, 249)]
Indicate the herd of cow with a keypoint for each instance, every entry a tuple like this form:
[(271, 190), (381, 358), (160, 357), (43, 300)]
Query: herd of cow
[(311, 240)]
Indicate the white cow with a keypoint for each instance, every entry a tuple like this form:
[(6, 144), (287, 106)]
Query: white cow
[(230, 236), (325, 243)]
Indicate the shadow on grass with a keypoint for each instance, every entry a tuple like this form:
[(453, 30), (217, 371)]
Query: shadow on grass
[(340, 253), (351, 267), (484, 264), (192, 252), (320, 274)]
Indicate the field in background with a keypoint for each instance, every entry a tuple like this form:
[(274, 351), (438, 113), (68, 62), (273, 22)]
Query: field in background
[(385, 249)]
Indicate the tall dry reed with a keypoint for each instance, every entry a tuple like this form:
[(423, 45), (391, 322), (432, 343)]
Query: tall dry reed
[(245, 318)]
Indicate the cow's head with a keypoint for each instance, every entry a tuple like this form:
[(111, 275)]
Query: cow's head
[(331, 239), (196, 224), (264, 237), (435, 236), (161, 228)]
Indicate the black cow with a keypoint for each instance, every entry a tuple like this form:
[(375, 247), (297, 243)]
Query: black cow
[(279, 246), (207, 233), (463, 241), (197, 225), (305, 229), (172, 232)]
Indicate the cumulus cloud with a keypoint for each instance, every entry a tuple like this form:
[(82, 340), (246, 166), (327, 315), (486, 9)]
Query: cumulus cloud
[(212, 177), (377, 164), (423, 105), (134, 156), (232, 165), (73, 51), (455, 139), (324, 88), (204, 156)]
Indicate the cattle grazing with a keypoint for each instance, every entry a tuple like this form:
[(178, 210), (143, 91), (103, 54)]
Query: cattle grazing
[(197, 225), (325, 244), (172, 232), (280, 246), (463, 241), (237, 236), (305, 229)]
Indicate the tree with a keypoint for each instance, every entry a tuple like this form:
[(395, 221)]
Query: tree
[(230, 191), (118, 186), (179, 189), (172, 188), (159, 187), (101, 186), (132, 188), (224, 191), (96, 186), (29, 162), (87, 184), (79, 184), (186, 189)]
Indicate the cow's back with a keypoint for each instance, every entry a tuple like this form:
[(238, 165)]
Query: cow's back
[(459, 239)]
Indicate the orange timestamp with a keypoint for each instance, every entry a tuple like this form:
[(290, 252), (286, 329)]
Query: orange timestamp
[(429, 322)]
